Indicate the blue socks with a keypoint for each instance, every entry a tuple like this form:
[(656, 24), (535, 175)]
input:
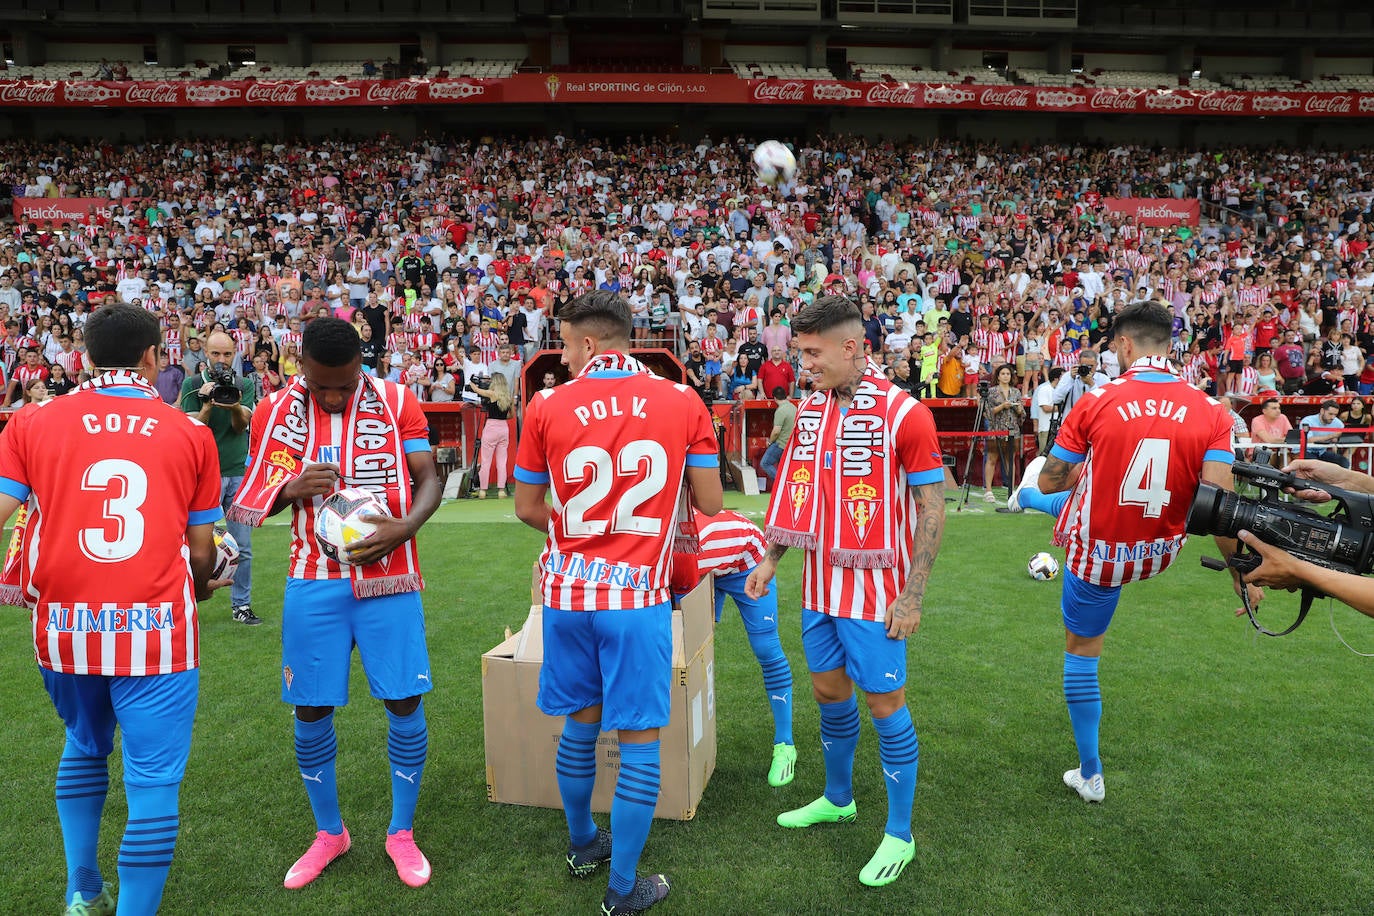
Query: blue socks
[(407, 744), (316, 749), (1048, 503), (632, 811), (777, 682), (82, 783), (839, 741), (145, 856), (1084, 698), (899, 752), (575, 767)]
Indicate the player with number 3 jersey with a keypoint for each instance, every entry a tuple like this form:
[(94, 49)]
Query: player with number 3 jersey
[(622, 452), (1119, 480)]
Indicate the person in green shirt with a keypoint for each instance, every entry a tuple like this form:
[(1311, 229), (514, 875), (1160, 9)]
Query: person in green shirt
[(930, 364), (228, 420), (784, 418)]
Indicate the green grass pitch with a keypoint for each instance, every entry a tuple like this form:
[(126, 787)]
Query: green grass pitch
[(1237, 767)]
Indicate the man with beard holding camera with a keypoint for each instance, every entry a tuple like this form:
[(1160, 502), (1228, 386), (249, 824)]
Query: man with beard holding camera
[(223, 402), (1119, 479)]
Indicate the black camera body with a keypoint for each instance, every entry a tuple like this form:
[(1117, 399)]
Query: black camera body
[(1085, 372), (226, 390), (984, 387)]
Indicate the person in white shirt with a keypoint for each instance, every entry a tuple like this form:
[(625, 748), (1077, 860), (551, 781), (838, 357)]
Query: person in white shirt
[(1110, 365), (1042, 406)]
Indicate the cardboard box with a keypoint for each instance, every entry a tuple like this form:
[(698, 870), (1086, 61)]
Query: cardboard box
[(521, 741)]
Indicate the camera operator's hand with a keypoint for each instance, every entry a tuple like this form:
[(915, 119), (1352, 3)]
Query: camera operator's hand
[(1278, 569), (205, 390), (1326, 472)]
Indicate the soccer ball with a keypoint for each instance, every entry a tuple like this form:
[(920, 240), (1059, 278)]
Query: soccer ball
[(339, 524), (226, 554), (1043, 567), (774, 162)]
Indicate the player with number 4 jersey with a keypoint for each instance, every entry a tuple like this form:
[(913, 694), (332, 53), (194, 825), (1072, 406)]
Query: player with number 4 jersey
[(1119, 480)]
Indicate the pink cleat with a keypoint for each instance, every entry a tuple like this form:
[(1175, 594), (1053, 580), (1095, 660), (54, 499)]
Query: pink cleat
[(411, 863), (326, 848)]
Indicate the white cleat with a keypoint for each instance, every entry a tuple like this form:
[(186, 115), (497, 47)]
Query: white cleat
[(1030, 478), (1090, 790)]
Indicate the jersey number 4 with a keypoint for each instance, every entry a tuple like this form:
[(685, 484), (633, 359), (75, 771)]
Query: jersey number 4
[(125, 486), (1146, 477), (594, 471)]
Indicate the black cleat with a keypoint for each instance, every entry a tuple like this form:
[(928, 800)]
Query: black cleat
[(583, 861), (244, 614), (647, 892)]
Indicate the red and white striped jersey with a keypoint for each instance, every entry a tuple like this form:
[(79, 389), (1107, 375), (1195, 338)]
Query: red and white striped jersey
[(73, 364), (243, 342), (613, 448), (291, 337), (113, 478), (730, 543), (171, 339), (1244, 382), (1142, 440), (984, 340), (306, 561), (946, 280)]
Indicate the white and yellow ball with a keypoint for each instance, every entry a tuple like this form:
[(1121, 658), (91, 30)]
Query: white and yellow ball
[(1043, 567), (774, 163), (226, 554), (342, 521)]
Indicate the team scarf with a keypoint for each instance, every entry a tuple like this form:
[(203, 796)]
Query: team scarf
[(371, 439), (851, 478), (684, 526)]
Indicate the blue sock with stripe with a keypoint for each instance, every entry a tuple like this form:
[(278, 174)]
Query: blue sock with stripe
[(899, 752), (145, 856), (1084, 698), (82, 784), (316, 749), (407, 746), (777, 682), (1048, 503), (575, 767), (632, 811), (839, 741)]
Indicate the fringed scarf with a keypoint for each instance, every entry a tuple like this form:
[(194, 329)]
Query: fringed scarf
[(840, 464), (372, 440)]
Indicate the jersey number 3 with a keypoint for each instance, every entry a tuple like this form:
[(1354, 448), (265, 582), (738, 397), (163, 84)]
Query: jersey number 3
[(593, 468), (125, 486), (1146, 478)]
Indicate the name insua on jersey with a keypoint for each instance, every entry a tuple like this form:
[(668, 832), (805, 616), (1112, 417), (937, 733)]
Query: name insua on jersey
[(611, 407), (1164, 409), (595, 569)]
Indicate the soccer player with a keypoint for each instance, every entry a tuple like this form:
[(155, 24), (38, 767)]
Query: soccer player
[(123, 492), (331, 427), (615, 445), (861, 489), (1119, 479), (730, 547)]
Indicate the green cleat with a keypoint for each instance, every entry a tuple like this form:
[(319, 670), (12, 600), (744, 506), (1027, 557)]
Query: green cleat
[(888, 862), (820, 811), (104, 905), (784, 765)]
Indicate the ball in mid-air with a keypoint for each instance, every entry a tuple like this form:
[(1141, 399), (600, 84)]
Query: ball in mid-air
[(226, 554), (341, 522), (774, 163), (1043, 566)]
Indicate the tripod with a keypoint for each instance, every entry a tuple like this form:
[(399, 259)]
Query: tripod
[(968, 461)]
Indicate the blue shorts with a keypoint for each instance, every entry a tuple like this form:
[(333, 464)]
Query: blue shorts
[(155, 712), (321, 622), (1088, 608), (760, 615), (619, 660), (861, 647), (713, 367)]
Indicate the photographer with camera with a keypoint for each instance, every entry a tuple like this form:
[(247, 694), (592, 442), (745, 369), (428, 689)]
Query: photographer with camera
[(1005, 412), (224, 402), (1073, 385)]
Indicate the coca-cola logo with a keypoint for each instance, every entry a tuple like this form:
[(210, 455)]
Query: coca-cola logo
[(833, 92), (1005, 98), (1271, 103), (1330, 104), (893, 94), (211, 94), (29, 93), (389, 93), (152, 94), (89, 93), (1230, 102), (948, 95), (1112, 100), (790, 91), (455, 90), (1058, 98), (273, 93), (329, 92)]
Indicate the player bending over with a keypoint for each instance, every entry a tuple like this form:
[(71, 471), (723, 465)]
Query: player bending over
[(1119, 480)]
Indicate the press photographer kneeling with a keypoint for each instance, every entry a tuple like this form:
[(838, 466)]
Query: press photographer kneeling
[(1290, 546)]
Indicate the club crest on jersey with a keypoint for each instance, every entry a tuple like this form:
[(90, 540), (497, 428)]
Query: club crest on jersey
[(288, 676), (799, 490), (861, 507), (282, 464)]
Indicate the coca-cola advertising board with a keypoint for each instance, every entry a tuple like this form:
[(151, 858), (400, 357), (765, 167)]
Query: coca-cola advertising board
[(1155, 211), (649, 88), (49, 211)]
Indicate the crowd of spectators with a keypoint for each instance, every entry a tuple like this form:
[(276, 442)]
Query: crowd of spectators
[(454, 257)]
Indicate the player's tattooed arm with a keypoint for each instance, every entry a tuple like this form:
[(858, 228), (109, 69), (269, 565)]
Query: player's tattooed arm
[(756, 586), (1058, 475), (904, 614), (775, 552)]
